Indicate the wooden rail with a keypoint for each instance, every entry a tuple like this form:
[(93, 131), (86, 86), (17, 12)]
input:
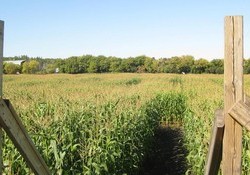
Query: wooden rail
[(215, 146), (14, 128)]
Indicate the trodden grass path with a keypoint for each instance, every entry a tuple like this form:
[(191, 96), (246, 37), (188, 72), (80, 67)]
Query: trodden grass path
[(167, 156)]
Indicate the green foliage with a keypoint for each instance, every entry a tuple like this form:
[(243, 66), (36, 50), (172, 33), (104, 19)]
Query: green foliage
[(133, 81), (197, 146), (150, 65), (97, 139), (179, 64), (30, 67), (170, 107), (93, 66), (140, 64), (129, 82), (50, 69), (71, 65), (200, 66), (247, 66), (115, 64), (176, 81), (216, 66), (246, 152), (25, 67), (185, 64), (95, 121), (11, 68)]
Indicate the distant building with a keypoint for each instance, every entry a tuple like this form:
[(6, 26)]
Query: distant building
[(18, 62)]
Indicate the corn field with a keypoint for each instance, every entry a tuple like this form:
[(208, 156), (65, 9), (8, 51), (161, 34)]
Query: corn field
[(103, 123)]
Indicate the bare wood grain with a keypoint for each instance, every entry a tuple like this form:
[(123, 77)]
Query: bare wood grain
[(233, 92), (17, 133), (215, 146), (1, 90), (241, 113)]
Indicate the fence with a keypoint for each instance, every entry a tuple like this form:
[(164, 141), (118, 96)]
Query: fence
[(226, 141)]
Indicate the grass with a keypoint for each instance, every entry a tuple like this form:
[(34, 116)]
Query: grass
[(102, 123)]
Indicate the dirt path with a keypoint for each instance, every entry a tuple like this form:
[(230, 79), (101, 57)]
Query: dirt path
[(167, 156)]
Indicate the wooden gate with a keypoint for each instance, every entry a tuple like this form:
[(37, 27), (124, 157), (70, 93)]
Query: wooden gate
[(226, 139)]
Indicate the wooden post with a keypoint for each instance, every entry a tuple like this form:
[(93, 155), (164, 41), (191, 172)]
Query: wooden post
[(215, 146), (1, 57), (16, 131), (233, 92), (1, 90)]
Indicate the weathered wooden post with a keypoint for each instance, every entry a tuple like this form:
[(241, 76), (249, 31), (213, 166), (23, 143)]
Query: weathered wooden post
[(215, 147), (236, 108), (233, 93), (1, 90)]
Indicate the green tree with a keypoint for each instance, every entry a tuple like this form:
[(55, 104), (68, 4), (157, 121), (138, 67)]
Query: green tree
[(200, 66), (216, 66), (50, 68), (30, 67), (185, 64), (155, 66), (104, 64), (93, 65), (171, 65), (162, 66), (115, 64), (25, 67), (83, 63), (60, 63), (71, 65), (4, 64), (11, 68), (247, 66), (33, 66), (149, 65), (131, 64), (141, 69)]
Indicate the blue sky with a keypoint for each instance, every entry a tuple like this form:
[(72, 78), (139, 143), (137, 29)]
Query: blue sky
[(122, 28)]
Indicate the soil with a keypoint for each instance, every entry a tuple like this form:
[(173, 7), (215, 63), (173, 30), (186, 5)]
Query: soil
[(167, 156)]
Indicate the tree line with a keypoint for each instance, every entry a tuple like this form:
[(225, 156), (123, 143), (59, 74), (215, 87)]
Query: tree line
[(102, 64)]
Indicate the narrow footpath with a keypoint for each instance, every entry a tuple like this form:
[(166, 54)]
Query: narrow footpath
[(167, 156)]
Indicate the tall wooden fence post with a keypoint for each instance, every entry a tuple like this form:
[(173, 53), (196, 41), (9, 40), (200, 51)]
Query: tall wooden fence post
[(1, 90), (1, 56), (233, 92)]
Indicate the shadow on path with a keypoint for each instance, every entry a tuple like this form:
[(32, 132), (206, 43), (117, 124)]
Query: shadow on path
[(168, 156)]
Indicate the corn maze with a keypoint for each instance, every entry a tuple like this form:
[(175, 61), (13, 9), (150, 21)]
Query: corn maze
[(105, 123)]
